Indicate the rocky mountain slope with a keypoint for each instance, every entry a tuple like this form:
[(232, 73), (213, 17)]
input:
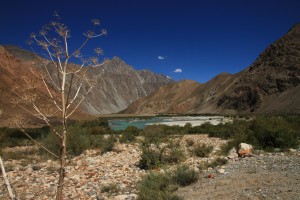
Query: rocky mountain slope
[(270, 85), (121, 85), (13, 76), (118, 86)]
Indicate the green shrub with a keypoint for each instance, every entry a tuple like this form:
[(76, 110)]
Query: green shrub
[(218, 162), (127, 137), (150, 158), (202, 150), (108, 144), (157, 187), (77, 141), (153, 134), (154, 156), (189, 142), (11, 137), (184, 176), (225, 148), (172, 154), (133, 130), (111, 188), (273, 132)]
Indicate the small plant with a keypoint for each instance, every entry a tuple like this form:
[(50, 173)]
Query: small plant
[(150, 159), (218, 162), (203, 150), (172, 154), (184, 176), (127, 137), (157, 187), (225, 148), (36, 167), (189, 142), (153, 134), (154, 156), (108, 144), (111, 188)]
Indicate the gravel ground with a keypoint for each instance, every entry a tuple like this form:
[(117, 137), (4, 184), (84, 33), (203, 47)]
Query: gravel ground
[(270, 176)]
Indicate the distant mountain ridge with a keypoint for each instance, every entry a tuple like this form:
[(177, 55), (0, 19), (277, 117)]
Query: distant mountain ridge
[(118, 86), (270, 85)]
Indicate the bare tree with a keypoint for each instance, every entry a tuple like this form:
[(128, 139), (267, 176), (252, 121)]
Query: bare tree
[(12, 195), (72, 81)]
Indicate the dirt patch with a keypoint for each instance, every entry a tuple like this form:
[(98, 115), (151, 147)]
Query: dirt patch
[(271, 176)]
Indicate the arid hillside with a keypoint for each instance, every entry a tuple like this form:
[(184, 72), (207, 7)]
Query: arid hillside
[(118, 86), (270, 85)]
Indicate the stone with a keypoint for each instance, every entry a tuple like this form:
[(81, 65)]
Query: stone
[(245, 149), (221, 171), (292, 150), (29, 170), (277, 150), (196, 169), (232, 154), (76, 177)]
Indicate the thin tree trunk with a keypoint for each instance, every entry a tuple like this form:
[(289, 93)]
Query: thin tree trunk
[(10, 191), (60, 186)]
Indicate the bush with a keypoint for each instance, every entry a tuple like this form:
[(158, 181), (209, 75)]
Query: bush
[(225, 148), (11, 137), (273, 132), (127, 137), (150, 158), (154, 156), (133, 130), (108, 144), (184, 176), (189, 142), (157, 187), (172, 154), (153, 134), (202, 150), (111, 188), (77, 141), (218, 162)]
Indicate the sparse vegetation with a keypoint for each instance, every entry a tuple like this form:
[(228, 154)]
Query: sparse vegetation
[(160, 186), (110, 188), (157, 187), (202, 150), (154, 156), (218, 162), (184, 176), (129, 134)]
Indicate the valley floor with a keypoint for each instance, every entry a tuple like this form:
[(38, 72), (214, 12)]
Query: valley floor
[(114, 175), (270, 176)]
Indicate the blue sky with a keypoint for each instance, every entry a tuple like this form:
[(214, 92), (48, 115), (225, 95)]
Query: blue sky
[(184, 39)]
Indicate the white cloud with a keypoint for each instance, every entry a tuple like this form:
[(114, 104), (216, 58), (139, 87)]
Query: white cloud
[(178, 70), (169, 77), (161, 57)]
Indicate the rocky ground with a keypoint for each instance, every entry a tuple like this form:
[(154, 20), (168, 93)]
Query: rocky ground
[(86, 175), (267, 176), (114, 175)]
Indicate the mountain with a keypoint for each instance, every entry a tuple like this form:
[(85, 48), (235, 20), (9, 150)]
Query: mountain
[(266, 85), (118, 86), (172, 98), (13, 77), (270, 85)]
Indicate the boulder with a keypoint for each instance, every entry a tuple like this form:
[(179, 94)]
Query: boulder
[(232, 154), (245, 150)]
